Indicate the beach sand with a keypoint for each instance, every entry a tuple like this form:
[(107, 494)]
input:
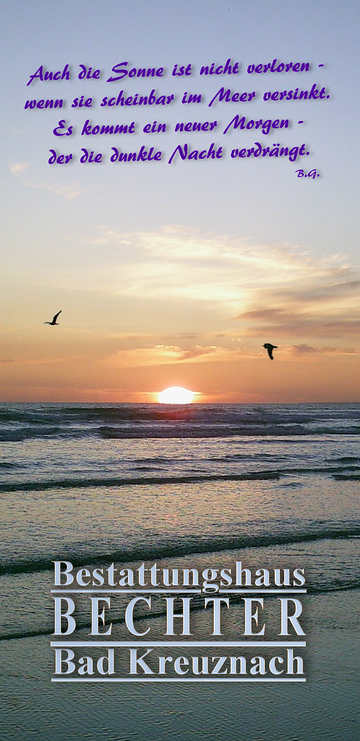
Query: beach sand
[(326, 707)]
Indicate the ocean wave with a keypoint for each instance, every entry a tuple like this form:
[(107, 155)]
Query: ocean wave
[(345, 459), (183, 548), (338, 473), (192, 431), (197, 606), (15, 436), (19, 422), (88, 483), (347, 477)]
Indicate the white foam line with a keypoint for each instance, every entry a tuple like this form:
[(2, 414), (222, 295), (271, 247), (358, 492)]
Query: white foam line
[(178, 679), (126, 591), (177, 591), (177, 644), (263, 591)]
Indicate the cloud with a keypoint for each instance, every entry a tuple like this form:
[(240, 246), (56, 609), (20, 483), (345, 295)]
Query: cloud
[(198, 351), (178, 264), (299, 350), (19, 167), (270, 290), (303, 318), (29, 361), (185, 295), (69, 192)]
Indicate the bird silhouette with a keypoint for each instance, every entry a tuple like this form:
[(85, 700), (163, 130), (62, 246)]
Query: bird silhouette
[(269, 347), (54, 322)]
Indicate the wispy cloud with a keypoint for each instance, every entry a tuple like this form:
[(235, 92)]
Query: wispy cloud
[(19, 167), (178, 296), (300, 350), (325, 308), (279, 291), (69, 192), (29, 361)]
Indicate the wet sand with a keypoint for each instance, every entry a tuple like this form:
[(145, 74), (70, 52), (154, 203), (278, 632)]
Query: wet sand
[(326, 707)]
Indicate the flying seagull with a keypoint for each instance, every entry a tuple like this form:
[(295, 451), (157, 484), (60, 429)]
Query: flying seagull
[(269, 347), (54, 322)]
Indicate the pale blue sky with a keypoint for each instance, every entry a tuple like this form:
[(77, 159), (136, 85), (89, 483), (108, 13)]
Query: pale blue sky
[(162, 33)]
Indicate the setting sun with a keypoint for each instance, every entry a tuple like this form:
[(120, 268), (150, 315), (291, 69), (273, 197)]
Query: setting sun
[(176, 395)]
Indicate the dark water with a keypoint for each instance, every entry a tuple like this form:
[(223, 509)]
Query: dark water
[(190, 485)]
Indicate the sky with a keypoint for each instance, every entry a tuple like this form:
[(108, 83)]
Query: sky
[(176, 271)]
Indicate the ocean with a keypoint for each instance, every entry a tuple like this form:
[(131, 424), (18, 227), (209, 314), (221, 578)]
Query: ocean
[(195, 486), (128, 482)]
